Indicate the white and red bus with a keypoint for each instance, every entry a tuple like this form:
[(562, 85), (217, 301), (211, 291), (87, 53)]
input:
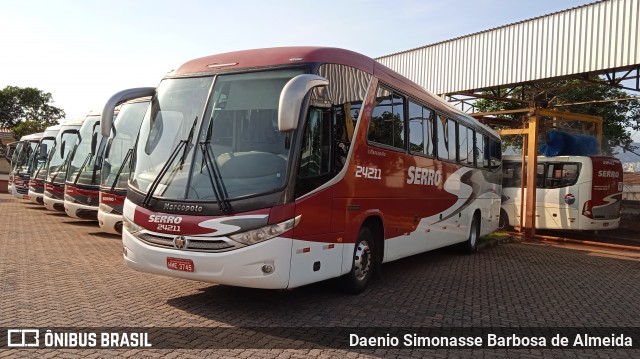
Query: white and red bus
[(276, 168), (115, 163), (82, 184), (572, 192), (58, 163), (21, 165), (39, 163)]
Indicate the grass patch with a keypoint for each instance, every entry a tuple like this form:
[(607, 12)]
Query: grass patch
[(495, 236)]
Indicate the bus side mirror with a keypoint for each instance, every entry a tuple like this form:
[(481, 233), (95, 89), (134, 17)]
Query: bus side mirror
[(94, 142), (43, 152), (291, 98), (106, 121)]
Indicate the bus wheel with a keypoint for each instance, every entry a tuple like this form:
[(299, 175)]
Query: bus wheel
[(362, 266), (503, 222), (471, 244)]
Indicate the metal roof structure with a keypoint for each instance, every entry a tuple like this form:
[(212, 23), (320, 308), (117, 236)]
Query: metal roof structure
[(594, 39)]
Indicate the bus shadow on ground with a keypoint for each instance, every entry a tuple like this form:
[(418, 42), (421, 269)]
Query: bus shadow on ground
[(306, 317), (83, 223), (106, 235), (215, 301), (37, 207)]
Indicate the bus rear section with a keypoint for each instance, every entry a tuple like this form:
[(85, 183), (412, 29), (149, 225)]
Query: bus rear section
[(603, 209), (288, 172), (573, 192)]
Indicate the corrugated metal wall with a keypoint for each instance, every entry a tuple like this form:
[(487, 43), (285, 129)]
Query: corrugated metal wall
[(594, 37)]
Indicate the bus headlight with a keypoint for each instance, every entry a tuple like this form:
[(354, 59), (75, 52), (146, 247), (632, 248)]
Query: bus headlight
[(70, 199), (105, 208), (130, 226), (267, 232)]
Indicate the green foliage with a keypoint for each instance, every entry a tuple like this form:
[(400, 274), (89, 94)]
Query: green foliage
[(27, 110), (617, 116), (28, 127)]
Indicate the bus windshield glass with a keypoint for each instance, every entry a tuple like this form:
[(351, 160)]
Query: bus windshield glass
[(59, 155), (82, 169), (126, 126), (40, 158), (237, 151)]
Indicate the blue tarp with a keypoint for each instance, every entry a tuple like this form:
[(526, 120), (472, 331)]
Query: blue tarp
[(565, 144)]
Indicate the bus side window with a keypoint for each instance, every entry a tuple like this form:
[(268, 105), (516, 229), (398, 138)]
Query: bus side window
[(420, 129), (561, 175), (512, 174), (386, 126), (540, 176)]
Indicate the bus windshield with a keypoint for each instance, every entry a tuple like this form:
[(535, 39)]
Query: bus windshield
[(126, 126), (83, 167), (23, 156), (59, 155), (40, 158), (236, 151)]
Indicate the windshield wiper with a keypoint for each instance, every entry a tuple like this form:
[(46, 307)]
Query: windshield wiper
[(216, 179), (163, 171), (60, 168), (188, 145), (124, 161), (165, 168), (84, 164)]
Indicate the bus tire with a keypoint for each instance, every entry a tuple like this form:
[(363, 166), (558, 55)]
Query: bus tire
[(362, 265), (471, 244), (503, 222)]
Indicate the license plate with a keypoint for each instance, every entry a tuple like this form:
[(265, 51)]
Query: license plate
[(185, 265)]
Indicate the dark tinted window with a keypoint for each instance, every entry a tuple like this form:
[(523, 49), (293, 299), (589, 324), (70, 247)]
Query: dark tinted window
[(387, 120), (420, 129)]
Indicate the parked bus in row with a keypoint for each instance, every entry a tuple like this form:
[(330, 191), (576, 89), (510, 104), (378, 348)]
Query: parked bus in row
[(116, 165), (39, 163), (9, 150), (82, 184), (277, 168), (572, 192), (58, 163), (21, 165)]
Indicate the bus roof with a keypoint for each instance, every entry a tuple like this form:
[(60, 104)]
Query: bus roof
[(32, 137), (562, 158), (72, 122), (278, 56)]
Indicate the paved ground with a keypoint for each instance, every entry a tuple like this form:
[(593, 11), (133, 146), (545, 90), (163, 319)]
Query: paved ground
[(59, 272)]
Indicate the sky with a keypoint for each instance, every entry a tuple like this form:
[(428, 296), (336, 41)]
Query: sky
[(82, 52)]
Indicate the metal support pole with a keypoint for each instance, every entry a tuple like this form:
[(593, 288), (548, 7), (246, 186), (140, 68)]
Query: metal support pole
[(532, 166), (523, 181)]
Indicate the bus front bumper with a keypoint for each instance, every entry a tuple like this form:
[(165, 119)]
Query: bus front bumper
[(110, 223), (36, 197), (81, 211), (244, 267), (53, 204)]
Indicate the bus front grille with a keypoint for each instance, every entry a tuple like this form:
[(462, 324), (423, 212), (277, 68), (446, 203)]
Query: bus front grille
[(193, 244)]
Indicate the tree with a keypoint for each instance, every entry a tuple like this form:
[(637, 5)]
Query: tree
[(27, 110), (577, 96)]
